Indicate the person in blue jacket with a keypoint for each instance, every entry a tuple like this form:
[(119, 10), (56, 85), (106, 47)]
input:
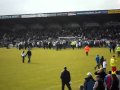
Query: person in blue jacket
[(97, 62), (89, 82)]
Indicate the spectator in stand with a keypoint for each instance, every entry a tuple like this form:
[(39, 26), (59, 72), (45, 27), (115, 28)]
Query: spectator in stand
[(95, 34), (97, 62), (115, 82), (108, 81), (99, 84), (87, 49), (89, 82), (66, 79), (113, 62)]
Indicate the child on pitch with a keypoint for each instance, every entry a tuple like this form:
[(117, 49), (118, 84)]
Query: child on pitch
[(23, 54), (104, 65)]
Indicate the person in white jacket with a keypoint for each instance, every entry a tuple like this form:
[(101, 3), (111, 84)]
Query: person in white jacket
[(104, 65), (23, 54)]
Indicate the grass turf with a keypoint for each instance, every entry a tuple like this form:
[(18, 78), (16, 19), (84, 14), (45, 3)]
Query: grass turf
[(43, 73)]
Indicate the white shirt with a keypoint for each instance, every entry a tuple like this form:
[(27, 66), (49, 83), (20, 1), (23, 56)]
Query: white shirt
[(23, 54), (104, 64), (79, 43)]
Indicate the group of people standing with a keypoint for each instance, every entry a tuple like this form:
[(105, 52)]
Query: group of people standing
[(100, 61), (115, 48), (118, 50), (102, 81)]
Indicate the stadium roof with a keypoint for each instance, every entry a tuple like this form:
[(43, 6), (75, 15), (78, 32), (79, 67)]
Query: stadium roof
[(75, 13)]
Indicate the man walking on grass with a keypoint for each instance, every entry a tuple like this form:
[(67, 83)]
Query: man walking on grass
[(113, 62), (65, 77), (87, 49), (97, 62)]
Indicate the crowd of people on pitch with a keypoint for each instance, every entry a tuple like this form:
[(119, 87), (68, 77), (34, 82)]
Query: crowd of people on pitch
[(102, 81)]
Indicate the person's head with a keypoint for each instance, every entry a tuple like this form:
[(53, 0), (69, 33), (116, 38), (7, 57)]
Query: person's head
[(100, 70), (114, 76), (97, 55), (97, 77), (104, 59), (29, 49), (113, 56), (87, 45), (65, 68), (109, 72), (89, 74)]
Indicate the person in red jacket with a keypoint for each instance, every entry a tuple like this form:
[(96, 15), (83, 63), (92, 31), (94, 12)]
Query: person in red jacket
[(87, 49)]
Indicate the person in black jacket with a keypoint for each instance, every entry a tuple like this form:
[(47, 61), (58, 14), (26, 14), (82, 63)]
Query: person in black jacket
[(101, 73), (113, 47), (65, 77), (99, 84), (115, 82), (29, 54), (101, 61)]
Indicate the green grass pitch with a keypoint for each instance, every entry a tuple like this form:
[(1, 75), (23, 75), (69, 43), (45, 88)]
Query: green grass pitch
[(43, 73)]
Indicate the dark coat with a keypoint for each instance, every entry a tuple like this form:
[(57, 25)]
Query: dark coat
[(65, 76), (29, 53), (115, 83), (100, 85), (89, 83), (101, 74)]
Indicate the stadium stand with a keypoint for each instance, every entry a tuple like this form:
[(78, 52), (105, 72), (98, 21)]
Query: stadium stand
[(90, 28)]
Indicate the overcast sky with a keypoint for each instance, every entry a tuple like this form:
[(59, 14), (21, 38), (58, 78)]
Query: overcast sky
[(10, 7)]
